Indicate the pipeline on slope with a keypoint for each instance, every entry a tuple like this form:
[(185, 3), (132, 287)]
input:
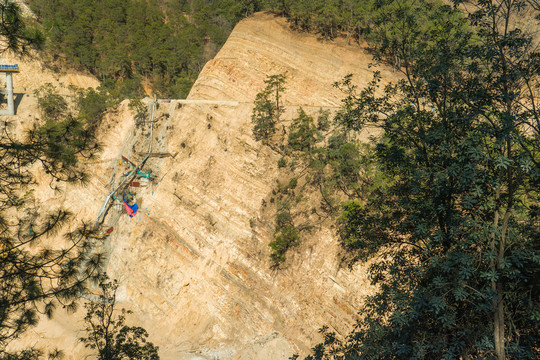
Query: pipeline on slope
[(131, 174)]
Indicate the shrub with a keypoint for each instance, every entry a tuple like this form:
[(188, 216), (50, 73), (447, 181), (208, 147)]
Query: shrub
[(285, 238), (51, 104)]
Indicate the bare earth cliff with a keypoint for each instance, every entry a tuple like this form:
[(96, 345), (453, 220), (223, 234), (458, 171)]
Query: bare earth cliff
[(193, 264)]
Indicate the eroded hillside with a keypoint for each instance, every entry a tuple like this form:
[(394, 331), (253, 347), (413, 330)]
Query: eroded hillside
[(193, 264)]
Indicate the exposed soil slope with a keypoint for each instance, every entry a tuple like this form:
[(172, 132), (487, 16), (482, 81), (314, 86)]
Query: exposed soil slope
[(193, 263)]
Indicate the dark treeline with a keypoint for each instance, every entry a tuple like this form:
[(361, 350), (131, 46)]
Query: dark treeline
[(165, 43), (127, 43), (384, 25), (329, 18)]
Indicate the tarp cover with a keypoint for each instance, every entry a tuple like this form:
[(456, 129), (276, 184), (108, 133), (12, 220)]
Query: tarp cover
[(131, 209)]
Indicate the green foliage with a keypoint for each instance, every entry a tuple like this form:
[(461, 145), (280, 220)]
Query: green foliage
[(92, 104), (326, 164), (285, 238), (351, 223), (283, 218), (51, 104), (287, 187), (450, 231), (32, 354), (17, 34), (165, 43), (64, 137), (62, 142), (323, 120), (333, 160), (328, 18), (41, 279), (28, 354), (344, 161), (181, 87), (389, 26), (267, 107), (302, 133), (286, 235), (282, 162), (139, 110), (263, 117), (292, 183), (36, 278), (107, 333), (123, 88)]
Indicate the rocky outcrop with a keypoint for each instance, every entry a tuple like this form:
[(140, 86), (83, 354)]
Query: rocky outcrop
[(193, 264)]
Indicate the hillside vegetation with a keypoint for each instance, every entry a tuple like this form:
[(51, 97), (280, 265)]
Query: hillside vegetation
[(163, 45), (127, 42), (443, 204)]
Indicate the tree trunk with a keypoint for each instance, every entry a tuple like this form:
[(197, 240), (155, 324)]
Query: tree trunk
[(499, 323), (498, 305), (277, 103)]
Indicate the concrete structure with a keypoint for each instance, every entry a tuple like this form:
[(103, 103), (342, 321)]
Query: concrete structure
[(9, 70)]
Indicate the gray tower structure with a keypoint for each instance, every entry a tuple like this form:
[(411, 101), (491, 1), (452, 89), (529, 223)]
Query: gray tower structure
[(9, 70)]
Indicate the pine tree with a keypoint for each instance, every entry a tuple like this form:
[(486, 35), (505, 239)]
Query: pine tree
[(302, 132), (268, 108), (33, 277), (15, 34)]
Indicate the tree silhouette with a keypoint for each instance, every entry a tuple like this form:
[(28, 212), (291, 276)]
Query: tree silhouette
[(107, 333), (453, 231), (33, 277), (15, 34)]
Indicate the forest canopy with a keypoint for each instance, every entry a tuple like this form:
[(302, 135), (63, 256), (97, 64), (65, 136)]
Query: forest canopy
[(164, 44), (130, 43)]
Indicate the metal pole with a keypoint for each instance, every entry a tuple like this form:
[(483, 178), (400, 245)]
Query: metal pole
[(9, 86)]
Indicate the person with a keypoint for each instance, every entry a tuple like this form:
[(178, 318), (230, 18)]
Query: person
[(131, 209)]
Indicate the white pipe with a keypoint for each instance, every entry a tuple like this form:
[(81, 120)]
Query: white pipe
[(134, 171)]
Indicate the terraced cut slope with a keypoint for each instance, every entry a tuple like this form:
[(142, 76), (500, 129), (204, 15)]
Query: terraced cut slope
[(193, 264)]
